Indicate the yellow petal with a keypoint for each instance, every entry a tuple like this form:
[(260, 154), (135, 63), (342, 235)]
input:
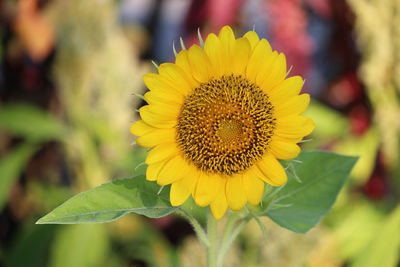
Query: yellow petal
[(166, 109), (284, 150), (219, 204), (206, 189), (181, 190), (157, 118), (158, 84), (274, 76), (140, 128), (200, 64), (157, 137), (260, 60), (227, 38), (293, 140), (295, 126), (242, 54), (154, 169), (235, 192), (177, 77), (272, 169), (286, 90), (293, 106), (256, 172), (253, 38), (153, 98), (254, 188), (182, 60), (213, 49), (175, 169), (162, 152)]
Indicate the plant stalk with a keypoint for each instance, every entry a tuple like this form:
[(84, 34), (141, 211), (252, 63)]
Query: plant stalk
[(212, 233), (198, 229)]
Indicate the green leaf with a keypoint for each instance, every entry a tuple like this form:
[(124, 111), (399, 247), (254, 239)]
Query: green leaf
[(11, 165), (300, 206), (111, 201), (30, 122)]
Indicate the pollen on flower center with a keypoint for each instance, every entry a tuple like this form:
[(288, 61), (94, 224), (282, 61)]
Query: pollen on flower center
[(225, 125)]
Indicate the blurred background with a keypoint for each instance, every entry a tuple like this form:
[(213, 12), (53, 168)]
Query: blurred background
[(70, 72)]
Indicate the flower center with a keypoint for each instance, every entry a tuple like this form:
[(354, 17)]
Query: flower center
[(225, 125), (230, 130)]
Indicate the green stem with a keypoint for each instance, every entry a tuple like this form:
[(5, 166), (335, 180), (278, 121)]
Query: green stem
[(216, 250), (212, 232), (198, 229), (232, 230), (227, 231)]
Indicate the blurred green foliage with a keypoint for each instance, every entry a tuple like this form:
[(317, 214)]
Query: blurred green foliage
[(96, 70), (11, 167), (80, 245), (31, 247), (31, 123)]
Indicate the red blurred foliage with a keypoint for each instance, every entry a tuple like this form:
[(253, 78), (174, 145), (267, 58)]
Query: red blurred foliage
[(347, 94), (345, 90), (375, 187), (359, 117), (210, 16), (342, 45), (288, 26), (196, 16), (223, 12)]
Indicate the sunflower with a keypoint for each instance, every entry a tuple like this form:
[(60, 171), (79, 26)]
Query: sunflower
[(218, 120)]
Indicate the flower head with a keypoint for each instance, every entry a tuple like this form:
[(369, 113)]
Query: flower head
[(218, 120)]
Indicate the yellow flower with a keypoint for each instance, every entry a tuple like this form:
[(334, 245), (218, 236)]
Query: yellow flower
[(218, 119)]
